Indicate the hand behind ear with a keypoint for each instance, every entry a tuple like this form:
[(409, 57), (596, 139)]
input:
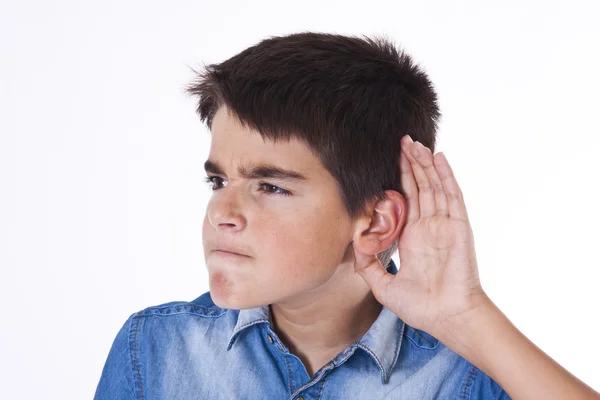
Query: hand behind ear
[(438, 280)]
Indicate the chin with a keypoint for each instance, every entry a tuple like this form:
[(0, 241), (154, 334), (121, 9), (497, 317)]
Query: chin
[(229, 293), (232, 302)]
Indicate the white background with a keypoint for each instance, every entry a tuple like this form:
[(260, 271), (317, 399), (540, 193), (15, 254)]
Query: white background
[(101, 157)]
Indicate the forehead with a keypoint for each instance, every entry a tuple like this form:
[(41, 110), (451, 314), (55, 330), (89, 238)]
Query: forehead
[(233, 145)]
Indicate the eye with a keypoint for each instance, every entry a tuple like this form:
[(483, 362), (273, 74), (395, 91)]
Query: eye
[(272, 189), (264, 187), (210, 181)]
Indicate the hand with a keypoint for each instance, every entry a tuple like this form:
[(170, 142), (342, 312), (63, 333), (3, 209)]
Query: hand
[(437, 285)]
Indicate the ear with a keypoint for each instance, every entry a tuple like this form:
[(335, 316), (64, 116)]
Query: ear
[(381, 226)]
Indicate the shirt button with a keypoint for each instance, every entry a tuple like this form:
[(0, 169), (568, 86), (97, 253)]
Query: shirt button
[(269, 339), (300, 398)]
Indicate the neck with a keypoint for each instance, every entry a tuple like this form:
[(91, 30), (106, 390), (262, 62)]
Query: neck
[(327, 320)]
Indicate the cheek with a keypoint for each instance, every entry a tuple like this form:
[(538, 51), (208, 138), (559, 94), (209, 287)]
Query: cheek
[(305, 247), (206, 227)]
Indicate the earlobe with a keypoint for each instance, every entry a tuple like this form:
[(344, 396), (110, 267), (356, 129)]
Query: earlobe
[(378, 231)]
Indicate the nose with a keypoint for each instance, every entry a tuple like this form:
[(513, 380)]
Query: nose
[(224, 210)]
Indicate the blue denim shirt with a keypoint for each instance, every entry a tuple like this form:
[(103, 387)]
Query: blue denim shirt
[(196, 350)]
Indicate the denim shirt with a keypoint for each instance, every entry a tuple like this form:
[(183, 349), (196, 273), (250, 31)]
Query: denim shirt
[(196, 350)]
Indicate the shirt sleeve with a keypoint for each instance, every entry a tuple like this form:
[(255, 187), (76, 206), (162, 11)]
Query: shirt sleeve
[(117, 379), (485, 388)]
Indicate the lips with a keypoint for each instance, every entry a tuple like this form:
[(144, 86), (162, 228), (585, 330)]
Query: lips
[(228, 252), (228, 247)]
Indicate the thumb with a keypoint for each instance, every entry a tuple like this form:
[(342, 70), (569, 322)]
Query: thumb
[(373, 272)]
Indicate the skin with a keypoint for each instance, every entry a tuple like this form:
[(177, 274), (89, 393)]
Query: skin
[(299, 249), (319, 272), (437, 288)]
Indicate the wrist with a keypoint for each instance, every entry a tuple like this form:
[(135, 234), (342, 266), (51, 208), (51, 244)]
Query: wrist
[(462, 333)]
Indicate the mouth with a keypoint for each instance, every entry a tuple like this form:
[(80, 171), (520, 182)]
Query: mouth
[(228, 253)]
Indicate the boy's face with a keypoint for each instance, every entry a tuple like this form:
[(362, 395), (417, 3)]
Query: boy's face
[(293, 244)]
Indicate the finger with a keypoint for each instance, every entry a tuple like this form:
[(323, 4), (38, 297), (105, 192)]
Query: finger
[(426, 194), (456, 203), (426, 161), (408, 184), (374, 274)]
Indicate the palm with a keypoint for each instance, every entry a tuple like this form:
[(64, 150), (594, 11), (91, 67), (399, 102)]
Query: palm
[(436, 273), (438, 277)]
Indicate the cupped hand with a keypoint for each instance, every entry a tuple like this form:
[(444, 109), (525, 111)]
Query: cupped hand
[(437, 284)]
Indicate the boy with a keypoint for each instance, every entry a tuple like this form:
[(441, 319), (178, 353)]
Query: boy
[(309, 203)]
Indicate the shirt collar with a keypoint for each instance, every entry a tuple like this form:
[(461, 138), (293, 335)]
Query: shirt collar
[(382, 341)]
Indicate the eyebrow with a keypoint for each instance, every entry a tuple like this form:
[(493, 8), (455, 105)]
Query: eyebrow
[(262, 171)]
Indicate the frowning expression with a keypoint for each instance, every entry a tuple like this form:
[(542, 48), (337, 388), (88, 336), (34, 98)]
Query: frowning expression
[(277, 206)]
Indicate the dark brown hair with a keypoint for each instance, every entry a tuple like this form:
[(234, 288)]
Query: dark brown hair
[(349, 99)]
